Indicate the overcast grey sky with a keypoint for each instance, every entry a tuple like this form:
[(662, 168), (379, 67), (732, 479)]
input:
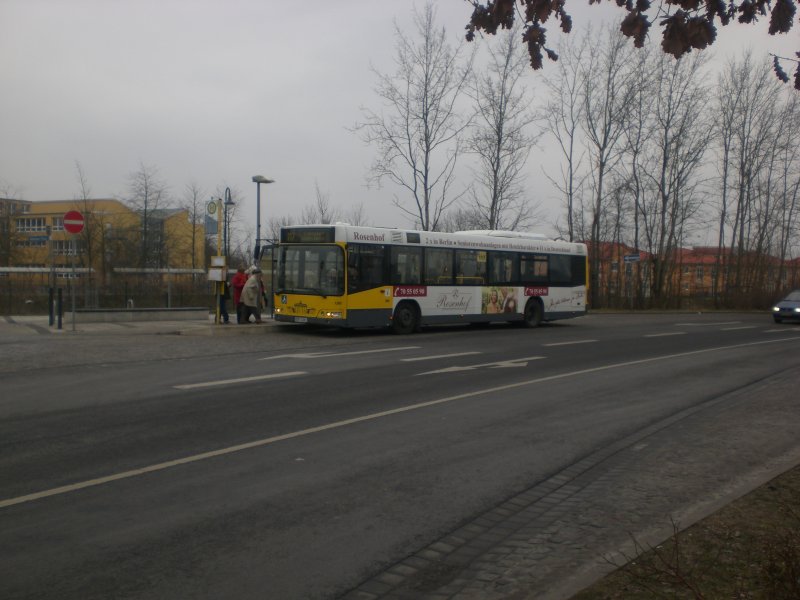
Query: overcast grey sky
[(214, 92)]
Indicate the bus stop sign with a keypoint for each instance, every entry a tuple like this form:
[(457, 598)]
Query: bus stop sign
[(73, 221)]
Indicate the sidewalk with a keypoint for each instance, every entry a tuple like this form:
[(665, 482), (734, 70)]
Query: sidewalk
[(39, 325)]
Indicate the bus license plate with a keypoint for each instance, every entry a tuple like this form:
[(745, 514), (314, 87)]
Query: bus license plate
[(301, 320)]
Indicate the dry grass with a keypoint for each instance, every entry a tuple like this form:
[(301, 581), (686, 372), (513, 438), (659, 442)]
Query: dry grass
[(748, 550)]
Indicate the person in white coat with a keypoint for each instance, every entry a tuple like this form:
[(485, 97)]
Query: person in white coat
[(252, 297)]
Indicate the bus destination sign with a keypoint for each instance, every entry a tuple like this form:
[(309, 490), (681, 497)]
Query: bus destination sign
[(308, 235)]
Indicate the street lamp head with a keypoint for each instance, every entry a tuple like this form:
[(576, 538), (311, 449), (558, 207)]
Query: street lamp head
[(262, 179)]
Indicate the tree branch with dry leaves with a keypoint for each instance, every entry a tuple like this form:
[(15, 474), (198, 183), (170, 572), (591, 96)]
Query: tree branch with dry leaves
[(691, 26)]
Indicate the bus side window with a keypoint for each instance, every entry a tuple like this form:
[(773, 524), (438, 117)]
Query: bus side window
[(578, 270), (470, 269), (534, 268), (364, 267), (438, 266), (503, 268), (560, 269), (352, 269), (404, 265)]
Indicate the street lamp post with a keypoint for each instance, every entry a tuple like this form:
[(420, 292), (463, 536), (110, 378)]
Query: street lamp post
[(258, 180), (226, 227)]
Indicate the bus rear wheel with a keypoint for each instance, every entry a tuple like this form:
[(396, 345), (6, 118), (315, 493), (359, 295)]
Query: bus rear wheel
[(406, 318), (533, 313)]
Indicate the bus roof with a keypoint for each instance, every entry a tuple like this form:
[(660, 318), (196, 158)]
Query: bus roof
[(471, 240)]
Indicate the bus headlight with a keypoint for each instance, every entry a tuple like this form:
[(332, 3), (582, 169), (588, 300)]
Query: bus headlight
[(330, 314)]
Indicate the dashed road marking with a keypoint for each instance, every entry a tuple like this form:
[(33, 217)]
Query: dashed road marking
[(655, 335), (438, 356), (327, 354), (570, 343), (706, 324), (205, 384)]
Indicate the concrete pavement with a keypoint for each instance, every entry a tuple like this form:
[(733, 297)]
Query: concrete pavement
[(561, 534), (39, 325)]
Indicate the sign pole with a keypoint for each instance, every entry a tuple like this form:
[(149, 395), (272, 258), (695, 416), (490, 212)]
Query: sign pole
[(73, 280), (73, 224)]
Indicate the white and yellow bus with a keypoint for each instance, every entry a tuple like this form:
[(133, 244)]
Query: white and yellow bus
[(351, 276)]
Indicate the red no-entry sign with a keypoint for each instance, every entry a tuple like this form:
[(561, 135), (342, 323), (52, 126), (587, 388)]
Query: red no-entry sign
[(73, 221)]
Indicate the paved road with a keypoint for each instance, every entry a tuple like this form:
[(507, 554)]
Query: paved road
[(285, 463)]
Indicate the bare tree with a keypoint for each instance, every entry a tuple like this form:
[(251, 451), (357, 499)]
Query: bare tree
[(418, 133), (9, 237), (677, 143), (356, 214), (92, 238), (562, 115), (230, 226), (632, 169), (788, 190), (194, 202), (274, 225), (500, 137), (747, 133), (462, 219), (321, 210), (148, 194), (608, 89)]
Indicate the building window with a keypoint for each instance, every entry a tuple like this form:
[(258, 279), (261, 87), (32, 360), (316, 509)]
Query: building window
[(66, 247), (699, 274), (31, 224), (58, 223)]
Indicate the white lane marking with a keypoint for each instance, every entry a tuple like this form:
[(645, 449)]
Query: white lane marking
[(503, 364), (570, 343), (327, 354), (362, 419), (737, 328), (654, 335), (193, 386), (418, 358), (706, 324)]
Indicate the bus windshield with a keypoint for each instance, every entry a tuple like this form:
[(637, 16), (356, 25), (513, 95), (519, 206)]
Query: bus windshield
[(311, 269)]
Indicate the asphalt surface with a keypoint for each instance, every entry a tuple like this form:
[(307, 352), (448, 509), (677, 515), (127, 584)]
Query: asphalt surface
[(547, 541)]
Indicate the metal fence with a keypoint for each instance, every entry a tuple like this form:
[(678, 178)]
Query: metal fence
[(29, 292)]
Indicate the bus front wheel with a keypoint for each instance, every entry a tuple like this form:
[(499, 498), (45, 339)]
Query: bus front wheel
[(533, 313), (406, 318)]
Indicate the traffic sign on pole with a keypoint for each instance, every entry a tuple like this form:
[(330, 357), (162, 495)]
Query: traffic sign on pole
[(73, 221)]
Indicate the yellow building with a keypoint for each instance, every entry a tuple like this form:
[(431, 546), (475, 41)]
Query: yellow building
[(116, 243)]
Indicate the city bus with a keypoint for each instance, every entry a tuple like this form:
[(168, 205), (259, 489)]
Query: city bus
[(367, 277)]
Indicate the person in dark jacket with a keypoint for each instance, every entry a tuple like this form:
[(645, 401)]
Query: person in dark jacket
[(237, 283)]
